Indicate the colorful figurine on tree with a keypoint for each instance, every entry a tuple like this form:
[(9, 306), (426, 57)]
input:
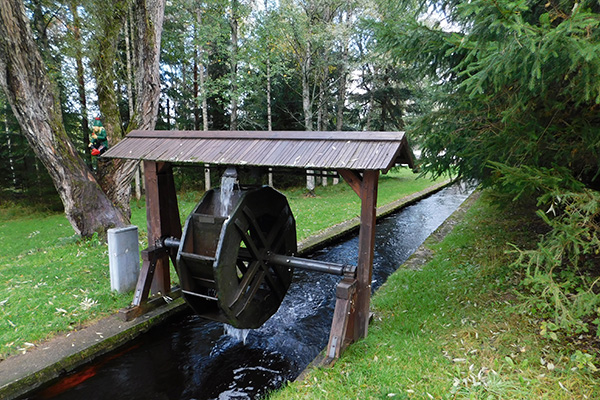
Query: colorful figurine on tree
[(98, 143)]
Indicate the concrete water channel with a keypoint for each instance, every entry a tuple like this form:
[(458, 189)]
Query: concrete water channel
[(187, 357)]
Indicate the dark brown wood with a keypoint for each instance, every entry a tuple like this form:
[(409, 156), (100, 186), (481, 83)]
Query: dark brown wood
[(132, 312), (353, 179), (163, 220), (366, 249), (142, 290), (342, 322)]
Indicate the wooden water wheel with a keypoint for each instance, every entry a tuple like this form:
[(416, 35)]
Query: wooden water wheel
[(222, 260)]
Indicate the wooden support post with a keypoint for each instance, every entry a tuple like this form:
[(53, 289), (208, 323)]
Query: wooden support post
[(163, 220), (366, 251), (351, 318), (162, 214), (342, 325), (149, 261)]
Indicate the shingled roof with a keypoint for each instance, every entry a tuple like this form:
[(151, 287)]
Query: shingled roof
[(295, 149)]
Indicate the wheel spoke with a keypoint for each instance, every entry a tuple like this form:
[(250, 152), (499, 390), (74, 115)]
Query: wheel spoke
[(248, 240), (277, 232), (256, 229), (248, 287)]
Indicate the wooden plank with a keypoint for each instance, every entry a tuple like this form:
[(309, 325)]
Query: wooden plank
[(342, 323), (162, 213), (366, 249), (142, 290)]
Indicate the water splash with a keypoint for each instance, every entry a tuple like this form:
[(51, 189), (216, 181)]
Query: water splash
[(228, 181), (235, 333)]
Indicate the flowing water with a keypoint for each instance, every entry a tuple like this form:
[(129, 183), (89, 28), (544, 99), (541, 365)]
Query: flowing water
[(228, 181), (192, 358)]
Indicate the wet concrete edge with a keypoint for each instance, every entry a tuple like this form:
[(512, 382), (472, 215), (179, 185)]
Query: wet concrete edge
[(49, 360), (349, 227)]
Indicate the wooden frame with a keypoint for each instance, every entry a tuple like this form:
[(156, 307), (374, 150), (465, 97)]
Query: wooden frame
[(353, 293), (162, 213)]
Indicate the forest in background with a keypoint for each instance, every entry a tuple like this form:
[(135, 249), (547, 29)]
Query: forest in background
[(225, 64)]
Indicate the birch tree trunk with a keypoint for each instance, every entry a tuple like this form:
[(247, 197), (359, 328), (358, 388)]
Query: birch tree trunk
[(307, 107), (343, 83), (234, 22), (81, 82), (11, 162), (34, 102), (201, 92), (306, 100)]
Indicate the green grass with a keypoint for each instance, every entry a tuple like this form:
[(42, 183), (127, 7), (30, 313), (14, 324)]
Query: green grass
[(52, 281), (453, 330)]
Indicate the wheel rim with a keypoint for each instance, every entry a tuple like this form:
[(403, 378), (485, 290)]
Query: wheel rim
[(250, 290)]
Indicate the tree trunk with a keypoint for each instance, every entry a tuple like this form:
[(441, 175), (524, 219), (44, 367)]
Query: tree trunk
[(128, 31), (343, 76), (35, 104), (149, 16), (118, 174), (196, 93), (202, 94), (11, 162), (130, 99), (306, 101), (103, 66), (307, 107), (269, 108), (233, 22)]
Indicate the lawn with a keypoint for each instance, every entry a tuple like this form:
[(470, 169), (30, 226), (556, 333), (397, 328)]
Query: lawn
[(52, 281), (455, 329)]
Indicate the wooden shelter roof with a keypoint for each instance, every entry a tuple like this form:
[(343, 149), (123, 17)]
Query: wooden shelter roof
[(296, 149)]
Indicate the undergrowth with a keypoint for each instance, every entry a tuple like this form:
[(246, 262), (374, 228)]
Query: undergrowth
[(561, 274)]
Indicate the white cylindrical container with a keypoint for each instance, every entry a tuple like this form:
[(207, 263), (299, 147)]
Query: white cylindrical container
[(123, 258)]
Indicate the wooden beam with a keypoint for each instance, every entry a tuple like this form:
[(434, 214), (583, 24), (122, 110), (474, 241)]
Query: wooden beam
[(162, 213), (352, 311), (366, 250), (353, 179), (342, 325)]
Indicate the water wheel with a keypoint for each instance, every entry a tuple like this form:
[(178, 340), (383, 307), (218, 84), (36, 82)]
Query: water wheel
[(222, 264)]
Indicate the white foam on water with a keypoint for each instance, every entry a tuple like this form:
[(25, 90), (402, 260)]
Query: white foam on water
[(235, 333)]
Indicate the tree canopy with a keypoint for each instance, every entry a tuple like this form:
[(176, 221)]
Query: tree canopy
[(224, 64), (515, 106), (516, 84)]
